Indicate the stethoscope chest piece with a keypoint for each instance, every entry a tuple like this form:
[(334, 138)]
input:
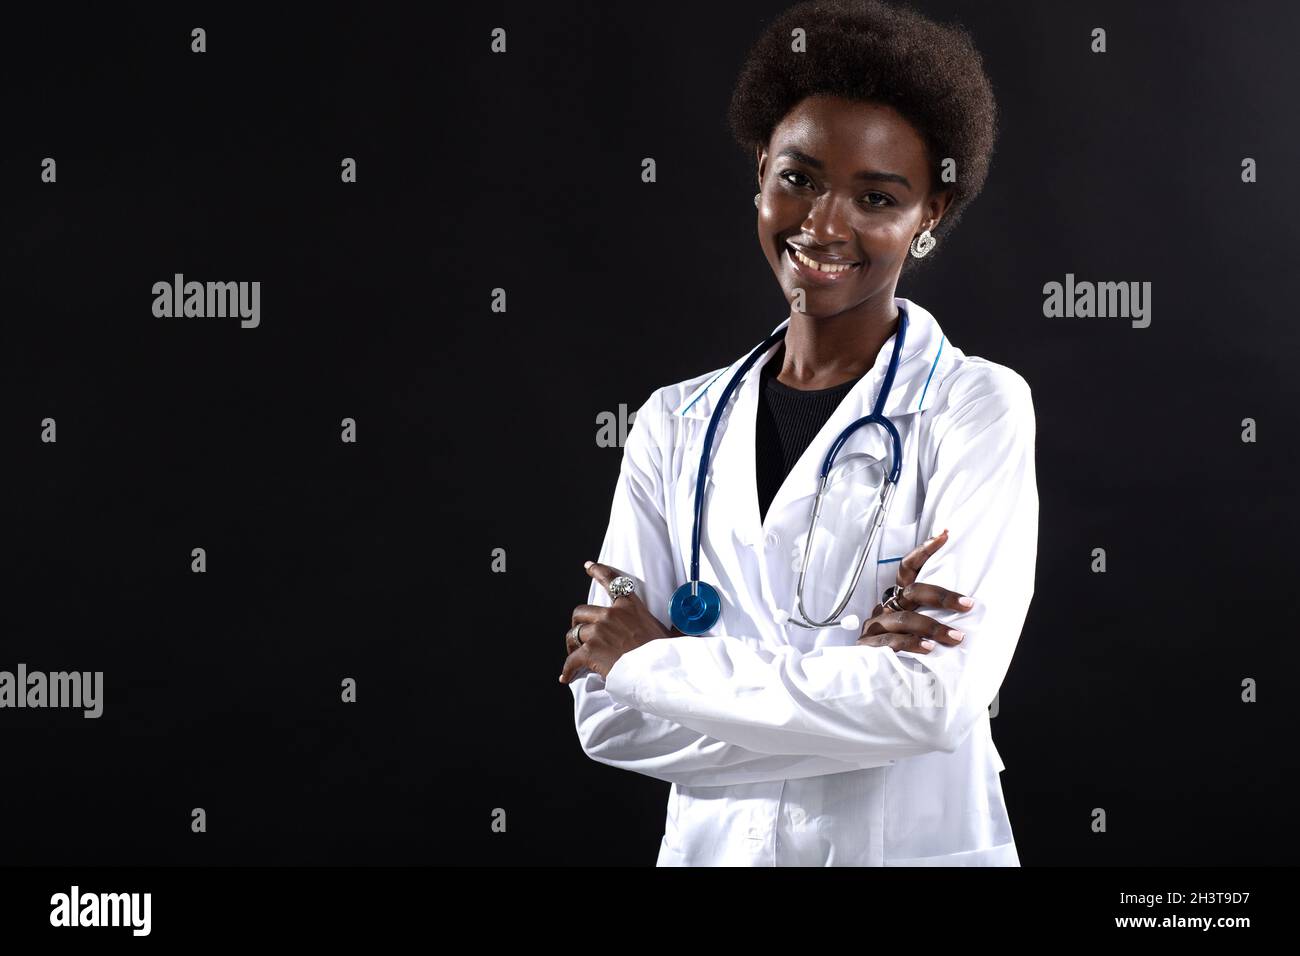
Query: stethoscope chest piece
[(695, 607)]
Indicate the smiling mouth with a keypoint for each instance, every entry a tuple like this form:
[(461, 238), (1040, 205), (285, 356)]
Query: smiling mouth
[(818, 271)]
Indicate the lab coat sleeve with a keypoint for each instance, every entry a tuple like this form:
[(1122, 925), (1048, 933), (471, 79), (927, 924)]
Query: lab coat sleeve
[(872, 705), (613, 732)]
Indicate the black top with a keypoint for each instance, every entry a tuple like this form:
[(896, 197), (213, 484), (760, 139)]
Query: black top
[(788, 420)]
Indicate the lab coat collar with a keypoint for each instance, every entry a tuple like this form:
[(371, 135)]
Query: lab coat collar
[(909, 394), (733, 465)]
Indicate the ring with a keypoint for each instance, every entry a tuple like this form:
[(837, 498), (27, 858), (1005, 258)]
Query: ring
[(890, 598), (577, 633), (621, 586)]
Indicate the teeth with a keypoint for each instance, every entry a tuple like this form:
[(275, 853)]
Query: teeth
[(819, 266)]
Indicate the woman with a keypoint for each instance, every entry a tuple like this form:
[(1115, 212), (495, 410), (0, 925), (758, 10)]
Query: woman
[(866, 742)]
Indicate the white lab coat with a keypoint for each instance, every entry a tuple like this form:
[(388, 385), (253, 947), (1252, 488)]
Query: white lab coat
[(788, 746)]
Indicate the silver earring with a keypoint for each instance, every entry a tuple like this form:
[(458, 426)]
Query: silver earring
[(756, 195), (922, 244)]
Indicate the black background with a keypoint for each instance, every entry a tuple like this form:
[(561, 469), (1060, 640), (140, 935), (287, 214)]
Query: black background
[(477, 429)]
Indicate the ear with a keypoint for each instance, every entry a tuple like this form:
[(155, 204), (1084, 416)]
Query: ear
[(760, 159), (937, 206)]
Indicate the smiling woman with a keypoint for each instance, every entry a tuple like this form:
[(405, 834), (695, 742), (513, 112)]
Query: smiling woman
[(924, 112), (860, 737)]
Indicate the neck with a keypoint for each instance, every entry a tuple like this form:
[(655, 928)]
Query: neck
[(822, 352)]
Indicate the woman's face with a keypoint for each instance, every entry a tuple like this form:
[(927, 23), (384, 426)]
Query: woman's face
[(847, 182)]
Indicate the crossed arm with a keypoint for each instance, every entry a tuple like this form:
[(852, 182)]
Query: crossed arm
[(714, 711)]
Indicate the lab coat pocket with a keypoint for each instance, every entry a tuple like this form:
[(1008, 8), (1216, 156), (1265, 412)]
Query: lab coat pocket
[(835, 548)]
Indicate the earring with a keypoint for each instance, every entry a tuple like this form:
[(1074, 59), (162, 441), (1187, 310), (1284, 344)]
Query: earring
[(756, 195), (922, 244)]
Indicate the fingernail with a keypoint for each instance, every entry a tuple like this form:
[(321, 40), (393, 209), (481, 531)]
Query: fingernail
[(965, 602), (927, 644), (588, 564), (956, 635), (561, 678)]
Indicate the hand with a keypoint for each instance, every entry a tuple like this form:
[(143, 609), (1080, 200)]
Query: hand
[(906, 630), (609, 632)]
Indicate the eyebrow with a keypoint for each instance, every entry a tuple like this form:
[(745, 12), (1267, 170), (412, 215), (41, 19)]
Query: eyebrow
[(866, 174)]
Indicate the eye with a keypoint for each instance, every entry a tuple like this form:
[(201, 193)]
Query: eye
[(803, 180)]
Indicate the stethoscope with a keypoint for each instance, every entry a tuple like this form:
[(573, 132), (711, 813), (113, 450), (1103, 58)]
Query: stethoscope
[(696, 606)]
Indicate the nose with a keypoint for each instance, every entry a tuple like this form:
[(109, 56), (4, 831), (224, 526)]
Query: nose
[(827, 222)]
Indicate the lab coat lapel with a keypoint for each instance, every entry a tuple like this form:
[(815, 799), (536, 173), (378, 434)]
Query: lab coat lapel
[(733, 476), (908, 395)]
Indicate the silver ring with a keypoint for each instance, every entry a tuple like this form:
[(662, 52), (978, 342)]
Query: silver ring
[(621, 586), (577, 633), (890, 598)]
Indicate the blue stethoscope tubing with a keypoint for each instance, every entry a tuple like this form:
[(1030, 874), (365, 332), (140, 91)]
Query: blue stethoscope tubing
[(696, 605)]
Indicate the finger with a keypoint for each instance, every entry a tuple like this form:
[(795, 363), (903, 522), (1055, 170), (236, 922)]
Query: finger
[(602, 572), (574, 663), (917, 643), (573, 640), (606, 574), (914, 559), (588, 614), (909, 622), (928, 628), (932, 595)]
